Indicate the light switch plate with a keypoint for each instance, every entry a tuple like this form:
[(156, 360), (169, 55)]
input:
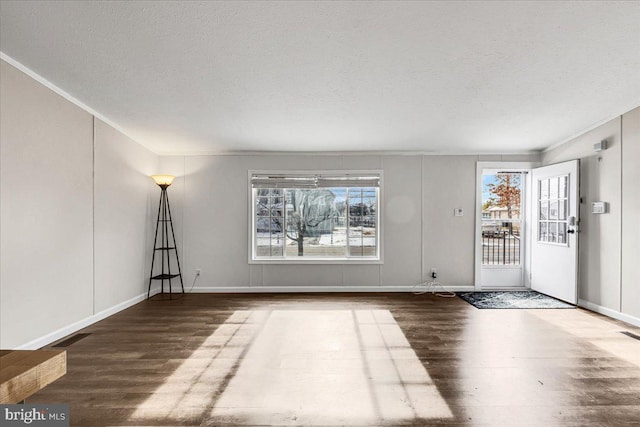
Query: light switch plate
[(457, 212), (599, 207)]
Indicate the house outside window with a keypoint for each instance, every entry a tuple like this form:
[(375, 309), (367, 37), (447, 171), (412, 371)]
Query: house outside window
[(315, 217)]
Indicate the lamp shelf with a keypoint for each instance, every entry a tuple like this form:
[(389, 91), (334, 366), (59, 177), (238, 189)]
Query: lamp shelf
[(165, 249), (164, 276)]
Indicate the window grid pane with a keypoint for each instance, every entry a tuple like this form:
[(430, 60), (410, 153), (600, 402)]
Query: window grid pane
[(553, 205), (269, 232), (362, 222)]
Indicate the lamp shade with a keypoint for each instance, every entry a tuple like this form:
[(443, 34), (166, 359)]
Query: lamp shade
[(163, 180)]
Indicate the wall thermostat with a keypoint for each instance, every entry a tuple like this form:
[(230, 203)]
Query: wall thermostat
[(599, 207), (457, 212)]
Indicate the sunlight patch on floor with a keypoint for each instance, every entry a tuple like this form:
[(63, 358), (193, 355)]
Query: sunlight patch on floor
[(605, 334), (329, 367), (192, 387)]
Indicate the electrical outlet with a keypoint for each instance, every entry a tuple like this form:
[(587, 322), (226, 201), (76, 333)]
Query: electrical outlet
[(434, 272), (197, 271)]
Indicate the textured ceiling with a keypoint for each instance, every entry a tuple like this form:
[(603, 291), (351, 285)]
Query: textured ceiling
[(454, 77)]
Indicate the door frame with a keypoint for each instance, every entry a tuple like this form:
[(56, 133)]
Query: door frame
[(525, 256)]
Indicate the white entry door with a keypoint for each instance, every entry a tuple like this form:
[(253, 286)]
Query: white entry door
[(554, 246)]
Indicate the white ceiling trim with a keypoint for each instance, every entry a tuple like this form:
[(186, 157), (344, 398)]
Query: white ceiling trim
[(352, 153), (46, 83)]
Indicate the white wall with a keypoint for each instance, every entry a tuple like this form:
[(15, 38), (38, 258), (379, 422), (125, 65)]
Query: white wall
[(631, 213), (610, 176), (49, 229), (210, 200), (450, 182), (125, 203), (46, 220), (600, 177)]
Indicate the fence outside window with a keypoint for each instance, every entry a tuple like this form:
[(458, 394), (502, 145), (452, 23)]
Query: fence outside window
[(501, 243)]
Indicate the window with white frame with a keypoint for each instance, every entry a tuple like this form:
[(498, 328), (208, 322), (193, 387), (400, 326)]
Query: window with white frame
[(317, 216)]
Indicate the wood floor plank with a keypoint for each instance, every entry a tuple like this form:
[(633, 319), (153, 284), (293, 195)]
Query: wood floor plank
[(349, 359)]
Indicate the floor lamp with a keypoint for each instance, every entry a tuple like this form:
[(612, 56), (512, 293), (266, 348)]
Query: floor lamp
[(167, 244)]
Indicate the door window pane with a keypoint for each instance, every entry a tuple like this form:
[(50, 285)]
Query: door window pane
[(552, 231), (544, 210), (544, 189), (562, 192), (562, 232), (553, 188), (501, 217), (562, 209), (542, 236), (553, 209)]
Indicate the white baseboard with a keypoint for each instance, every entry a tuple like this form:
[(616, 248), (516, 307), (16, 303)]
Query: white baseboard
[(312, 289), (609, 312), (66, 330)]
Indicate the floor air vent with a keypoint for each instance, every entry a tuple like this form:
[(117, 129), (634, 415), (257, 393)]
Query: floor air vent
[(71, 340), (632, 335)]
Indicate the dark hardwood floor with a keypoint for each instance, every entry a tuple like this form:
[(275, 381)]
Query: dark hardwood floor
[(349, 359)]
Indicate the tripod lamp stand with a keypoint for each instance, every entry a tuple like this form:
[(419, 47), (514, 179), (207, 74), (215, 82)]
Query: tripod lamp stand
[(167, 244)]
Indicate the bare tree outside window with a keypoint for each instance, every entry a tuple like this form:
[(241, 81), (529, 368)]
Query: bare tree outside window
[(308, 214)]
